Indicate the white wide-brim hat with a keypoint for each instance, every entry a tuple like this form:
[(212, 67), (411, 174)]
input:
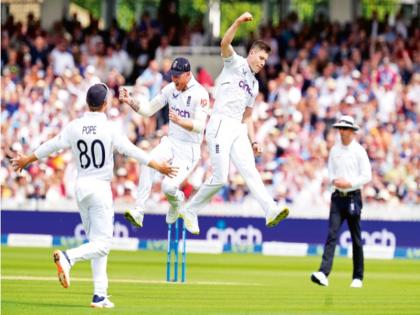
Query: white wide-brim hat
[(346, 121)]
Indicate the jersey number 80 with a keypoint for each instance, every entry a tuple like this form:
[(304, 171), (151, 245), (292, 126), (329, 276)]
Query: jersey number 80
[(86, 159)]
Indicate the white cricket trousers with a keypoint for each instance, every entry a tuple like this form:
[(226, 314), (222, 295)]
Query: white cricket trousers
[(182, 154), (227, 140), (94, 198)]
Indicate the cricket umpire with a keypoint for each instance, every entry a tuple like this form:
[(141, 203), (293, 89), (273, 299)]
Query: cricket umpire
[(348, 170)]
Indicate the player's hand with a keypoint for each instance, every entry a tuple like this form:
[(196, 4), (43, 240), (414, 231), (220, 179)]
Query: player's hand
[(19, 162), (174, 117), (127, 99), (166, 169), (341, 183), (245, 17), (257, 148), (124, 96)]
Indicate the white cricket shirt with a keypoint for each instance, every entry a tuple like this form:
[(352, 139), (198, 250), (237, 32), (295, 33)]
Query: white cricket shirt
[(236, 88), (350, 162), (92, 139), (186, 104)]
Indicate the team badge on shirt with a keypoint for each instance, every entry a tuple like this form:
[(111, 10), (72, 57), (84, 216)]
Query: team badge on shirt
[(203, 102)]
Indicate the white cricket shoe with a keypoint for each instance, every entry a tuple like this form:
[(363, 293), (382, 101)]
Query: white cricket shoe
[(191, 221), (275, 216), (320, 278), (356, 283), (63, 267), (135, 217), (101, 302), (173, 212)]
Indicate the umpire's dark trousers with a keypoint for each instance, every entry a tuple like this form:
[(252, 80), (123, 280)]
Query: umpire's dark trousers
[(344, 207)]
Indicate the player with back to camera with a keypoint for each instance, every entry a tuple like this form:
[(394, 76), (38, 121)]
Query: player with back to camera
[(188, 103), (92, 139), (230, 131)]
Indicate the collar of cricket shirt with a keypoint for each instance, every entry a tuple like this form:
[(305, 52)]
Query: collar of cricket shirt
[(248, 68), (346, 147), (190, 84), (95, 114)]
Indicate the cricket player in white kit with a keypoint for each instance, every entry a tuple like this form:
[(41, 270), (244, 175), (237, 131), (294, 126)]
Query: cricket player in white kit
[(92, 139), (230, 130), (188, 103)]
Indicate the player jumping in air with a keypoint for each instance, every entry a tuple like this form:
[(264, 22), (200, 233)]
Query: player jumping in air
[(188, 103), (230, 130)]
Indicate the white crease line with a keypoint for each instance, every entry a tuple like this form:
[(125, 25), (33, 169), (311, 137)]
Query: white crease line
[(31, 278)]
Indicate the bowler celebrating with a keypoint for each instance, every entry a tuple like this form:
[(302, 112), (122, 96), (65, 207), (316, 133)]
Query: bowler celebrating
[(188, 103), (230, 131)]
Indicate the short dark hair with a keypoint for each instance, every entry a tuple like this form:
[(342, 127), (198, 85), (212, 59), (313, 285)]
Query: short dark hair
[(261, 45), (96, 96)]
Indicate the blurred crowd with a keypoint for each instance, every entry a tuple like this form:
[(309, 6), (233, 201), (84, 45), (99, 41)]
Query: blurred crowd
[(369, 69)]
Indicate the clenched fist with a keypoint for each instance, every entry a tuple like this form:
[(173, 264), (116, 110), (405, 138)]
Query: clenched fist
[(245, 17), (124, 96)]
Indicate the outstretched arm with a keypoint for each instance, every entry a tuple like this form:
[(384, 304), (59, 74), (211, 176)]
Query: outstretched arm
[(124, 146), (147, 108), (55, 144), (164, 168), (21, 161), (225, 45)]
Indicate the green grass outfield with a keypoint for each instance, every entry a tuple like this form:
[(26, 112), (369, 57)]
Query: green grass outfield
[(216, 284)]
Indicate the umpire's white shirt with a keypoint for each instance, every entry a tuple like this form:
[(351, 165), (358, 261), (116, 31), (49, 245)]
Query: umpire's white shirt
[(351, 163), (92, 139), (236, 88), (186, 104)]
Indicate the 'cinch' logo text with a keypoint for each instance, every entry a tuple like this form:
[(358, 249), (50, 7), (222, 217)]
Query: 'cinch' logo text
[(245, 86), (182, 113)]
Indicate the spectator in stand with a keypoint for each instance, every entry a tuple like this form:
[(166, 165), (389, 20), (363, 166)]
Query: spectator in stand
[(39, 51), (143, 56), (61, 59), (204, 78), (34, 98), (164, 51), (151, 78)]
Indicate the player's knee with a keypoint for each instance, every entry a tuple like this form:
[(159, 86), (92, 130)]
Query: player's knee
[(103, 247), (169, 189), (218, 181), (105, 250)]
